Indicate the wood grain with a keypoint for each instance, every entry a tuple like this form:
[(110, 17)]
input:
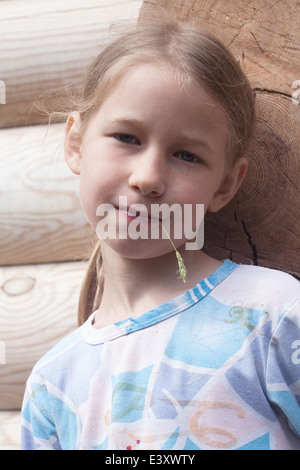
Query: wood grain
[(41, 218), (46, 45), (262, 34), (261, 224), (38, 306), (10, 425)]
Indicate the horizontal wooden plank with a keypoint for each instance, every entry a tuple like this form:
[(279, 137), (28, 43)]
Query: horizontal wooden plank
[(45, 45), (38, 306), (40, 214), (10, 425)]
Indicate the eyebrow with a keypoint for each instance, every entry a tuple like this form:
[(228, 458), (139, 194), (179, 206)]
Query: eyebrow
[(126, 120), (189, 139)]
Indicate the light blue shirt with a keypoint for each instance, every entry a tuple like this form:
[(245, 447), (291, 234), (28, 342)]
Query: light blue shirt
[(218, 367)]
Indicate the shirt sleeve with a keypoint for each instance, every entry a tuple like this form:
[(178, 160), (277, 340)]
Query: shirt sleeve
[(283, 368), (38, 431)]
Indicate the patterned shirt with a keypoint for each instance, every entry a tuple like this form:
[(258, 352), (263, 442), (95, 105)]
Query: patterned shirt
[(217, 367)]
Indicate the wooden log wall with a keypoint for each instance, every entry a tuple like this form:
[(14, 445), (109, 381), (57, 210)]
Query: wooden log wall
[(46, 45), (262, 224), (44, 237), (38, 307), (40, 215)]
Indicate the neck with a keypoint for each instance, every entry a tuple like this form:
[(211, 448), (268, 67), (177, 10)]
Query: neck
[(133, 286)]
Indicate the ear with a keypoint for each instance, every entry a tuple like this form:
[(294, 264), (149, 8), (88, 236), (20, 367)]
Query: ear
[(230, 185), (72, 146)]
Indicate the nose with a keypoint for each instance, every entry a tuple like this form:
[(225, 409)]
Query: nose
[(148, 175)]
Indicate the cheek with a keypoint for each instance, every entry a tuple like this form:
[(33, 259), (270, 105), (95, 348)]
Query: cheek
[(90, 190), (198, 196), (88, 201), (98, 185), (198, 192)]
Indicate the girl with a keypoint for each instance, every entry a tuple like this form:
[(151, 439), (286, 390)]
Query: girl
[(166, 117)]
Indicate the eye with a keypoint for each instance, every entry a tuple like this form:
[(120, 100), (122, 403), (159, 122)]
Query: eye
[(127, 139), (187, 156)]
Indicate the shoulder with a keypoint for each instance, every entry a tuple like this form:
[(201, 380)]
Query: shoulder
[(258, 286), (64, 348), (267, 276)]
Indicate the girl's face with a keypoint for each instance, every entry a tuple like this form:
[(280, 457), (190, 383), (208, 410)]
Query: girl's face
[(152, 141)]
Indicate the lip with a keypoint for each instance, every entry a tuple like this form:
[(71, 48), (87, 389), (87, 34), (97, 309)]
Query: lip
[(134, 212)]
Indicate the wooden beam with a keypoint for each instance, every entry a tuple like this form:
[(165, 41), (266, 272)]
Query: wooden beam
[(261, 225), (40, 214), (46, 45), (38, 306), (10, 425)]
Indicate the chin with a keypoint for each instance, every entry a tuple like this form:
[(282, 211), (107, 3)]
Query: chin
[(139, 249)]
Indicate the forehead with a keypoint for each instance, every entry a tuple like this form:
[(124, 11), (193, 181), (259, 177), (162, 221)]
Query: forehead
[(161, 87)]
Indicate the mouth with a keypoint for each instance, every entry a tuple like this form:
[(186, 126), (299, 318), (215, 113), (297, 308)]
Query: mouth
[(138, 211)]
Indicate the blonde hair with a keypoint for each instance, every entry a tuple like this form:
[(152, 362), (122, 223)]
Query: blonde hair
[(198, 58)]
